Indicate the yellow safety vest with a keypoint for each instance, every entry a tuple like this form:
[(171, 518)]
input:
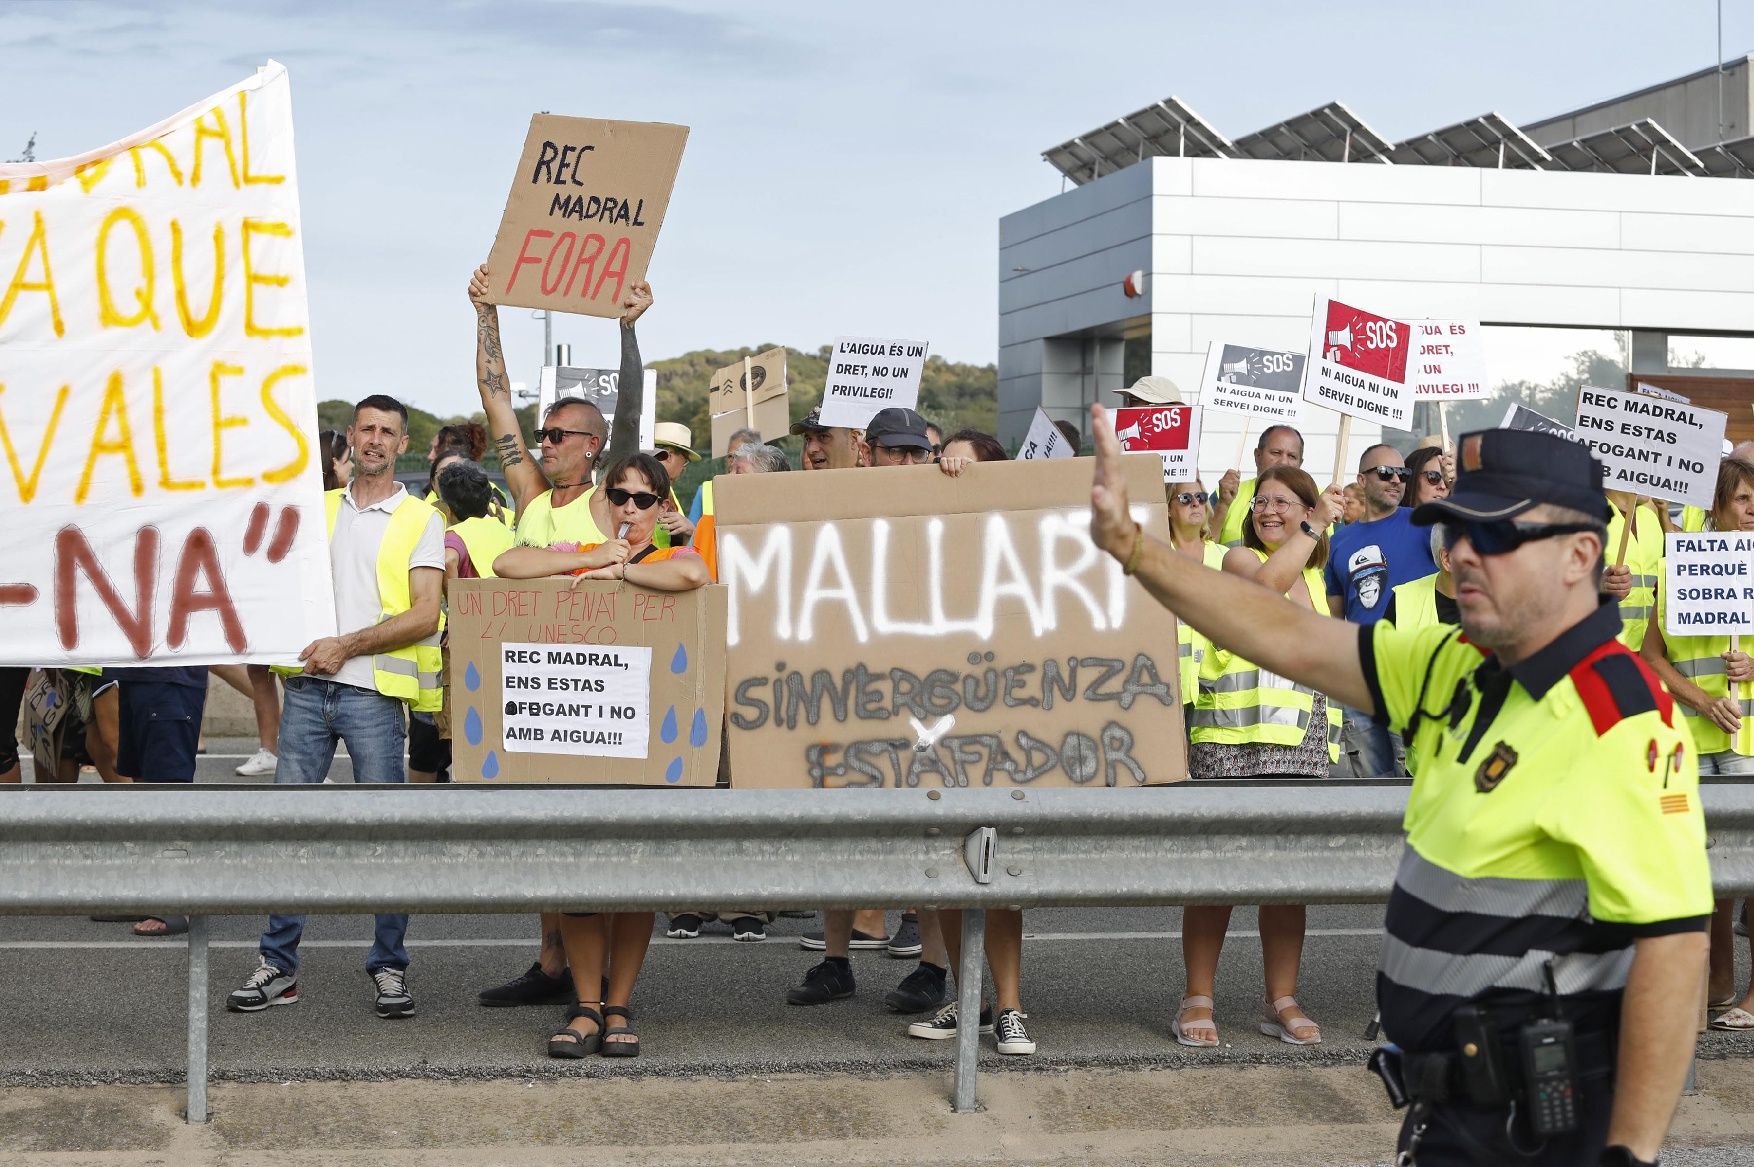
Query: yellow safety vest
[(1240, 703), (414, 672), (1237, 515), (1192, 646), (1416, 603), (487, 539), (542, 524), (1693, 518), (706, 497), (505, 515), (1644, 557), (1700, 659)]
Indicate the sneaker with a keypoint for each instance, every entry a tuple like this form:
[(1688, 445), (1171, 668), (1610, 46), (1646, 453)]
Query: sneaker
[(919, 991), (942, 1024), (906, 941), (817, 942), (393, 999), (829, 981), (534, 987), (257, 764), (262, 988), (1013, 1038), (685, 926), (748, 929)]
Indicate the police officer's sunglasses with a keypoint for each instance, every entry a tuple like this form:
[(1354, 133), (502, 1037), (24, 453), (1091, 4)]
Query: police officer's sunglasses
[(1502, 536), (643, 500)]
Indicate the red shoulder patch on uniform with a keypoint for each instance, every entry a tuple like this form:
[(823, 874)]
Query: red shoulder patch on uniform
[(1615, 684), (1463, 639)]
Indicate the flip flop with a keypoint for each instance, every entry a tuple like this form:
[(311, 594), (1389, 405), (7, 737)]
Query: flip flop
[(168, 926), (1735, 1020)]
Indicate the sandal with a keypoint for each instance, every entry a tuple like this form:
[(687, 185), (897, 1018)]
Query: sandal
[(162, 926), (1274, 1024), (569, 1042), (1735, 1020), (619, 1049), (1197, 1032), (1724, 1002)]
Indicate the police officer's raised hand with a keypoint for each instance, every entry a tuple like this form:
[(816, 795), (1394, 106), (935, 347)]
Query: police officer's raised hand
[(635, 302), (1739, 665), (1617, 581), (1228, 485), (1111, 523)]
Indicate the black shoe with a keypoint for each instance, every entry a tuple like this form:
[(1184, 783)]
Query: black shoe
[(748, 929), (829, 981), (684, 926), (534, 987), (905, 941), (919, 991)]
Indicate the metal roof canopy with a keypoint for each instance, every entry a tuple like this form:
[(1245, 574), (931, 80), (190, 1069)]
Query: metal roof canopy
[(1331, 133), (1489, 141), (1733, 159), (1640, 147), (1167, 128)]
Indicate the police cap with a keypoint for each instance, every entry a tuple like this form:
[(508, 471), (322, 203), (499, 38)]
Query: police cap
[(1501, 474)]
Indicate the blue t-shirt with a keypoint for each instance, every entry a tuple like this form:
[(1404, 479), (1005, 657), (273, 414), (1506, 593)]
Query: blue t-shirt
[(1367, 560)]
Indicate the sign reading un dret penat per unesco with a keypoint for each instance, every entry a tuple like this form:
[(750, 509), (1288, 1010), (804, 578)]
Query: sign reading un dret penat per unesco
[(583, 214), (893, 627)]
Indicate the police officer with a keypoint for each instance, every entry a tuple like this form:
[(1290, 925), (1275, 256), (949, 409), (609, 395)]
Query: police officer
[(1546, 933)]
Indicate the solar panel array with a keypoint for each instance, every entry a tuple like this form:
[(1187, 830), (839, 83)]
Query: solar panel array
[(1333, 133)]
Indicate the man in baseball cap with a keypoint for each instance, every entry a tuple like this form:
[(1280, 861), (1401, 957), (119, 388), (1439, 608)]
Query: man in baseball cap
[(899, 437), (829, 447)]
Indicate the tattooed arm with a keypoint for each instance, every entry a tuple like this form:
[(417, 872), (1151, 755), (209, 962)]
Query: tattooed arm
[(522, 473), (630, 388)]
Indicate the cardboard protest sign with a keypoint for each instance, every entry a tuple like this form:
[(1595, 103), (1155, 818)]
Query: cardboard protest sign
[(164, 497), (891, 628), (867, 375), (600, 387), (594, 683), (1044, 440), (1448, 364), (1172, 432), (1264, 385), (1521, 417), (1708, 583), (753, 394), (1358, 364), (1663, 449), (583, 214)]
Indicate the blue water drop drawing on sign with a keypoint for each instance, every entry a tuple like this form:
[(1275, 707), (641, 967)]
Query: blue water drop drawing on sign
[(673, 773), (697, 730), (471, 678), (472, 726), (668, 730), (679, 662), (490, 765)]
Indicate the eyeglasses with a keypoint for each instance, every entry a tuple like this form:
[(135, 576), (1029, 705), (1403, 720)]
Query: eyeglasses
[(1390, 473), (1432, 476), (1189, 497), (664, 452), (1262, 502), (557, 435), (642, 500), (1502, 536)]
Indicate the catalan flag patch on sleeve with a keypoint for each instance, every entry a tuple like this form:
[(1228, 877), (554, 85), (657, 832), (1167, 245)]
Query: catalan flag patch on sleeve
[(1675, 804)]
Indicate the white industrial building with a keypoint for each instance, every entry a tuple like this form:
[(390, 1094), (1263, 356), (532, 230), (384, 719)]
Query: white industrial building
[(1606, 218)]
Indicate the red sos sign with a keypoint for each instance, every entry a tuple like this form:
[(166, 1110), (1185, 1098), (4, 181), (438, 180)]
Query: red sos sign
[(1367, 342), (1155, 427)]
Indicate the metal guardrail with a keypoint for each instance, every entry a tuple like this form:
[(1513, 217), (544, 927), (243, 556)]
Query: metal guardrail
[(331, 849)]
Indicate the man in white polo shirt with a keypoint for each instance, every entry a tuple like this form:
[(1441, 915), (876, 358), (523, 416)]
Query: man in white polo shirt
[(387, 557)]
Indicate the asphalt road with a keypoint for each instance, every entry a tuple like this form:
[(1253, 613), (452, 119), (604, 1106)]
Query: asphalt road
[(87, 1002)]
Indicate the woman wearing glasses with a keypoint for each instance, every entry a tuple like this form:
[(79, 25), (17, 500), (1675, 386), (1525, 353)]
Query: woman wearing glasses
[(1429, 482), (638, 492), (1251, 723)]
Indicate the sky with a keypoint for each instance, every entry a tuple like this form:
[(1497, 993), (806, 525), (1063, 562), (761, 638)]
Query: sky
[(847, 163)]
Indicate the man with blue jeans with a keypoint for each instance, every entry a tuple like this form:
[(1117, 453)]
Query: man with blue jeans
[(386, 551), (1367, 560)]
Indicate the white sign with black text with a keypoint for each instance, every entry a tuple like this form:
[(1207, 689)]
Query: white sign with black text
[(1044, 440), (1358, 364), (1708, 587), (599, 387), (588, 699), (1259, 383), (1662, 449), (869, 374), (1447, 362)]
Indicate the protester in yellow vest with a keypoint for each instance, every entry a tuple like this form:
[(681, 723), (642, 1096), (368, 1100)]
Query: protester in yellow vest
[(558, 502), (475, 539), (1632, 579), (1278, 445), (465, 440), (1249, 722), (1189, 534), (386, 552), (1429, 600), (1709, 679)]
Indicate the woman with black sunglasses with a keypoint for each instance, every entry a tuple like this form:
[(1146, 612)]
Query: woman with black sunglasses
[(1428, 483)]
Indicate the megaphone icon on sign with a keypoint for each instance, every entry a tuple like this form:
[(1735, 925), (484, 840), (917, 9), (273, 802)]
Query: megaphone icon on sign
[(1340, 338), (1130, 434), (1234, 370)]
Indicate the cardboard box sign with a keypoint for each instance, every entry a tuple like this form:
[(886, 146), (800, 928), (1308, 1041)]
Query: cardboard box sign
[(753, 394), (603, 683), (583, 214), (893, 627)]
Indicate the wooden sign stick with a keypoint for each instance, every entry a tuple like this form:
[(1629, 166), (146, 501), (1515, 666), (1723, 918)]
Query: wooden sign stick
[(1630, 515), (1442, 425), (748, 397), (1340, 444), (1242, 445)]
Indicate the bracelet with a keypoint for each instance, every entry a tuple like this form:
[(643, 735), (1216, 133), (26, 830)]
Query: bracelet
[(1133, 555)]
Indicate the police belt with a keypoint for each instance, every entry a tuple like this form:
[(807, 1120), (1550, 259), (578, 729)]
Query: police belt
[(1439, 1078)]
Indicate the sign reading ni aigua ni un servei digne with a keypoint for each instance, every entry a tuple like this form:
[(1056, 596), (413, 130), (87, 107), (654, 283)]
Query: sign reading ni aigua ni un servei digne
[(582, 217), (891, 627), (1358, 364)]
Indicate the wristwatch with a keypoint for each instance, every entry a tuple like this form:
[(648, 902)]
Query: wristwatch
[(1618, 1156)]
